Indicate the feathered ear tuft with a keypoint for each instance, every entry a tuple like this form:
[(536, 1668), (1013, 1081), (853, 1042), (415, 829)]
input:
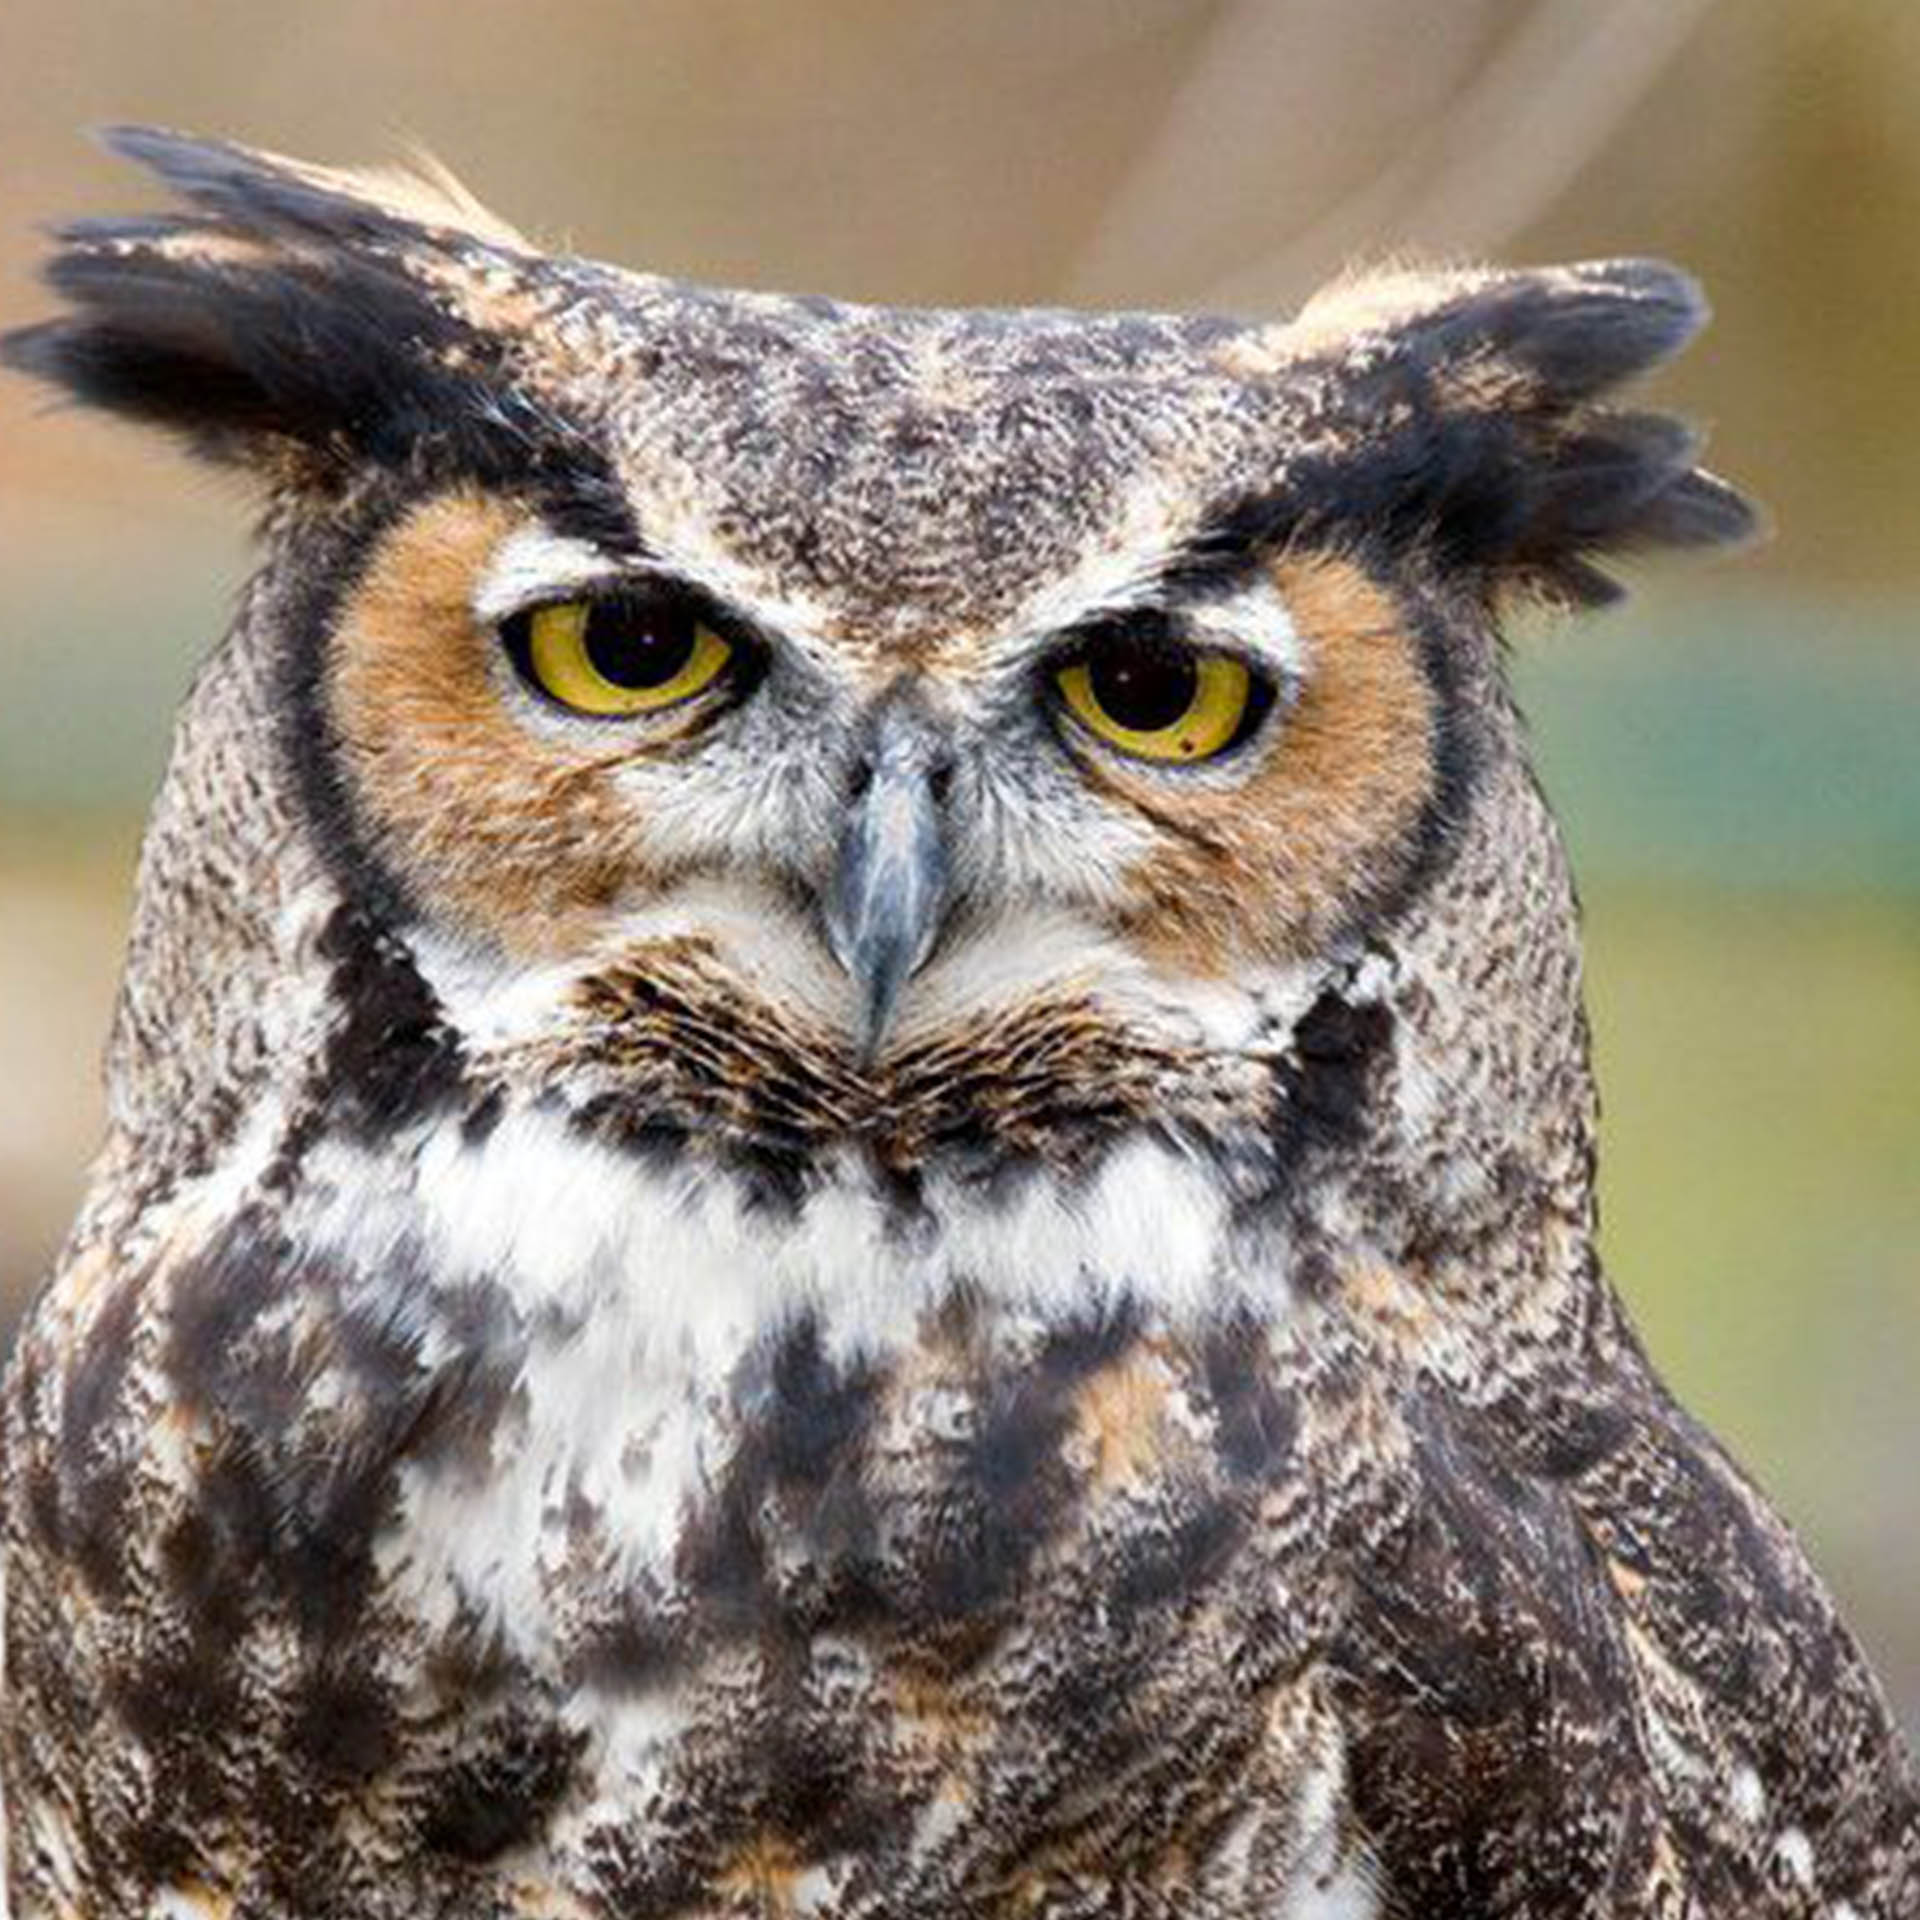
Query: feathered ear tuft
[(1465, 405), (338, 314), (267, 193)]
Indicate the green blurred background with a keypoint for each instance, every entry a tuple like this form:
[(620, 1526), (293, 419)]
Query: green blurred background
[(1734, 754)]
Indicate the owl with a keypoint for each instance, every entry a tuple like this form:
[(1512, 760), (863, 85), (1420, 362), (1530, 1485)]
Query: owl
[(851, 1163)]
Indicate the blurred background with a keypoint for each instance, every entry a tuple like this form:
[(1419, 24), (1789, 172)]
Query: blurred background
[(1736, 754)]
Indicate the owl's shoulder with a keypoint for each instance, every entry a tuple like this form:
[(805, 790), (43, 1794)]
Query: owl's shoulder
[(1588, 1622)]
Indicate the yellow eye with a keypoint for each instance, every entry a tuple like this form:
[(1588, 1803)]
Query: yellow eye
[(1157, 700), (618, 656)]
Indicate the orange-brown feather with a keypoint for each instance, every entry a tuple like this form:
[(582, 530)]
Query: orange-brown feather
[(524, 832), (1274, 867)]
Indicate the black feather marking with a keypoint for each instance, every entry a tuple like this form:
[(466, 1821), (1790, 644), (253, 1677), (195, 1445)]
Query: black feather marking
[(1322, 1091), (393, 1056), (499, 1789), (133, 229), (1579, 583), (1698, 510), (1620, 318), (336, 353), (1601, 475), (253, 191), (1473, 438), (285, 311)]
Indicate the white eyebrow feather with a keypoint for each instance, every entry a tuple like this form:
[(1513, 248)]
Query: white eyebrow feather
[(1255, 620), (532, 564), (1252, 619)]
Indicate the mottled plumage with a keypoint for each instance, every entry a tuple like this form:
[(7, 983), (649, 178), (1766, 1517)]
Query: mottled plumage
[(843, 1298)]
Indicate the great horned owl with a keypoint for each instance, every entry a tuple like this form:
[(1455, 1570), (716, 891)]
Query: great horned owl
[(851, 1156)]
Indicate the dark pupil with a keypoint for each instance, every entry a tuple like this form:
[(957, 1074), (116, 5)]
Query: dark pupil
[(639, 646), (1142, 687)]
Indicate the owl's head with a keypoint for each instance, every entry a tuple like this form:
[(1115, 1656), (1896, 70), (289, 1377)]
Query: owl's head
[(775, 719)]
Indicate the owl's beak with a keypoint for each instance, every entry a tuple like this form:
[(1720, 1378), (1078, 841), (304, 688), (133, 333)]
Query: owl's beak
[(890, 884)]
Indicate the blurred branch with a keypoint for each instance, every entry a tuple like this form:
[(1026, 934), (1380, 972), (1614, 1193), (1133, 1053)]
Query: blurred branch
[(1540, 111)]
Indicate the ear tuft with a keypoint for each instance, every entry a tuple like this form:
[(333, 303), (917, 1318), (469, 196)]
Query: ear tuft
[(1465, 418), (1611, 483), (1581, 330), (335, 313), (268, 193)]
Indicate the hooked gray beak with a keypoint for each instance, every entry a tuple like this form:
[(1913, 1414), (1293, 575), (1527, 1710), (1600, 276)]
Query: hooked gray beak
[(890, 886)]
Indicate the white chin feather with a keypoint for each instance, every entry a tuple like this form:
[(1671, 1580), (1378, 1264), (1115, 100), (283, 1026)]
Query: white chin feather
[(996, 966)]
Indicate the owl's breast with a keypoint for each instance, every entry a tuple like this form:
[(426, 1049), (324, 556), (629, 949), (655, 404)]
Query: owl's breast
[(862, 1551), (528, 1517)]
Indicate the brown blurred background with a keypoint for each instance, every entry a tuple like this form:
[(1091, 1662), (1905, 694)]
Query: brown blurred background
[(1737, 754)]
